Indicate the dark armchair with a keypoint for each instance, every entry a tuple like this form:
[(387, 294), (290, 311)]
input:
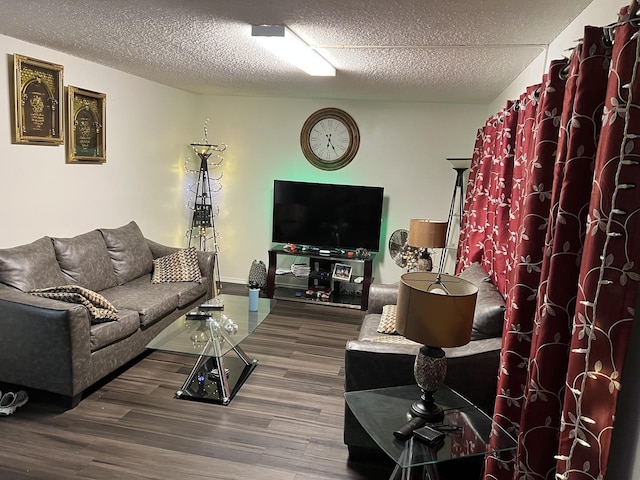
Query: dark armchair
[(377, 360)]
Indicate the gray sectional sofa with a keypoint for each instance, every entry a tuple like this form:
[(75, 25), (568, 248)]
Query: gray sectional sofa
[(62, 347)]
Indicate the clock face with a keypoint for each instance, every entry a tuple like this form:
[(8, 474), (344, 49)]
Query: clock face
[(330, 139)]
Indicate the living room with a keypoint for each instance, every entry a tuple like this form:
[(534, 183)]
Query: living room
[(150, 127)]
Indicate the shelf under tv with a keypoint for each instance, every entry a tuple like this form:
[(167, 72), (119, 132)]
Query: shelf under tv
[(297, 295), (346, 294)]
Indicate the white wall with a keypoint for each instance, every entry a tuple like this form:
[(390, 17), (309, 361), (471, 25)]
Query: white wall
[(599, 13), (403, 148), (146, 130)]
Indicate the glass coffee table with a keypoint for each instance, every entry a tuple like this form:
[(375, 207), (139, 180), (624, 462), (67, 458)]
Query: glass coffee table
[(383, 411), (217, 374)]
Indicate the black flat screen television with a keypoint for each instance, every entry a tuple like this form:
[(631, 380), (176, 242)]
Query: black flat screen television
[(327, 216)]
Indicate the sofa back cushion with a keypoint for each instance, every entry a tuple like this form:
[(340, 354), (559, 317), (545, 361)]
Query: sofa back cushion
[(31, 266), (490, 306), (85, 261), (129, 252)]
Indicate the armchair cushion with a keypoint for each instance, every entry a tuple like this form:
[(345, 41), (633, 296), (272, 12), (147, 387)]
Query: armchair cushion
[(490, 306), (488, 318)]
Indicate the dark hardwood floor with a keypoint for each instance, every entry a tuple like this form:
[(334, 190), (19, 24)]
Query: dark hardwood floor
[(284, 424)]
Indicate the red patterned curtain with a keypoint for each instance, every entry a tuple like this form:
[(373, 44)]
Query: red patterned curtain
[(553, 214)]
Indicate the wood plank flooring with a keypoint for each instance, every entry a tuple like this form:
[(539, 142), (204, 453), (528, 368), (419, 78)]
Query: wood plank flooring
[(284, 424)]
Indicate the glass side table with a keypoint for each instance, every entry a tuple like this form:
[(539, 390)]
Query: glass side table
[(466, 427)]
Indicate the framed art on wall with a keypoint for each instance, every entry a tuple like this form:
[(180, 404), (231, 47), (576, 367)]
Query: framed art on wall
[(86, 114), (38, 101)]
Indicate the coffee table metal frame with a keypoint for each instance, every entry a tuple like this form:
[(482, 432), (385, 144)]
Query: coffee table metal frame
[(216, 376)]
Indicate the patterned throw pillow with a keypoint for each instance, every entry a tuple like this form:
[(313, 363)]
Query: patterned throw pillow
[(100, 309), (393, 340), (180, 266), (388, 320)]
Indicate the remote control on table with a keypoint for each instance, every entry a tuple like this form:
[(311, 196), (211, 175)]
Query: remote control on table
[(213, 304)]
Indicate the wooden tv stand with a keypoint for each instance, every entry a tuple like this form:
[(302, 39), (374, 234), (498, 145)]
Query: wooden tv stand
[(353, 293)]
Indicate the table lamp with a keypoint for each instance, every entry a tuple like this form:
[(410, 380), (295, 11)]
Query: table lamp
[(436, 310), (427, 234)]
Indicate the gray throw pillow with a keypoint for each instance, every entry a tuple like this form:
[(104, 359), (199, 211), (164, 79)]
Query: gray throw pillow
[(84, 259), (490, 306), (30, 266), (129, 252)]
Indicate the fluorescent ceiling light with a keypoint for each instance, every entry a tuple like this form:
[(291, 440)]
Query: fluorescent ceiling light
[(287, 45)]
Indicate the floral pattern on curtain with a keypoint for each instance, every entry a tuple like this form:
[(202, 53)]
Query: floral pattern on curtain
[(552, 212), (486, 238)]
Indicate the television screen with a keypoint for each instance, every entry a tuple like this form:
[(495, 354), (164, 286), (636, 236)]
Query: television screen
[(327, 216)]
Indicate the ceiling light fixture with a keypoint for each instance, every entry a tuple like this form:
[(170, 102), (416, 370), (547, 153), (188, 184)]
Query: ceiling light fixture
[(287, 45)]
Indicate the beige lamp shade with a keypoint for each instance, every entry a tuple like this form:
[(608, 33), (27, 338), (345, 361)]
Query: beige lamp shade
[(427, 314), (427, 233)]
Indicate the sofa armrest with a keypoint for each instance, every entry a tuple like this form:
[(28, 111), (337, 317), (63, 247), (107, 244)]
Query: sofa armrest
[(158, 250), (44, 343), (381, 294), (207, 261)]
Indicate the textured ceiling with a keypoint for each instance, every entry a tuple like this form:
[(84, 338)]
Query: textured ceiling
[(414, 50)]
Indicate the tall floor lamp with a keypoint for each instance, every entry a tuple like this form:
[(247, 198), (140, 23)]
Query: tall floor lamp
[(435, 309), (460, 165)]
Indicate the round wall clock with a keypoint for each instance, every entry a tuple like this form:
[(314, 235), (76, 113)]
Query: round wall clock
[(330, 138)]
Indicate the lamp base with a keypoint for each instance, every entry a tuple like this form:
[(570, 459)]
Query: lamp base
[(427, 408), (430, 370)]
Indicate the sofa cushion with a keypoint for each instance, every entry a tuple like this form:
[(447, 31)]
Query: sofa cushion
[(490, 306), (85, 261), (151, 301), (103, 334), (129, 252), (30, 266), (179, 266), (388, 319), (187, 291)]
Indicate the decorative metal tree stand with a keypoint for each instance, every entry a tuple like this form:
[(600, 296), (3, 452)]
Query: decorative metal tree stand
[(203, 229)]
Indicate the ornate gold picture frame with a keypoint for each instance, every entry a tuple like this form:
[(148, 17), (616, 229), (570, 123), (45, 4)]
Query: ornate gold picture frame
[(86, 116), (38, 103)]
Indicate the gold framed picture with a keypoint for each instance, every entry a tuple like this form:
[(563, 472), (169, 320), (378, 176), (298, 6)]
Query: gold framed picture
[(38, 103), (86, 116)]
